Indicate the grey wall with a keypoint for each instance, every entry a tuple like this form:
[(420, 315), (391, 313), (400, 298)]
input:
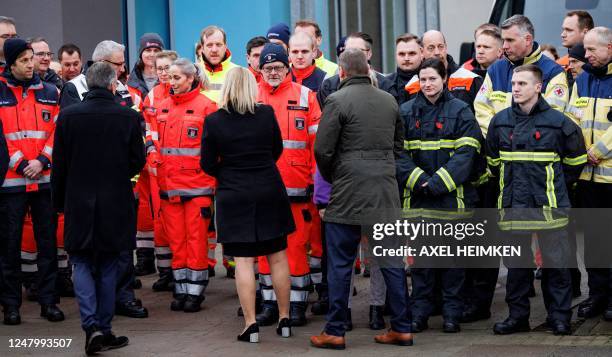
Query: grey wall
[(83, 22)]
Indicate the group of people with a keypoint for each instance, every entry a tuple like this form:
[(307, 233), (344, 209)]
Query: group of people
[(280, 161)]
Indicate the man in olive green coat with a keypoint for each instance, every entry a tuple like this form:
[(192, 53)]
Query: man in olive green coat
[(358, 139)]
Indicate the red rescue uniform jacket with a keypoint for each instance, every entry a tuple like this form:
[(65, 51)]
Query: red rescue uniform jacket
[(28, 118), (180, 123), (297, 112)]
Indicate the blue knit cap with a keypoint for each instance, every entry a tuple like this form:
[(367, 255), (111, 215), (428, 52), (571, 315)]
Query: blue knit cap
[(273, 52), (281, 32)]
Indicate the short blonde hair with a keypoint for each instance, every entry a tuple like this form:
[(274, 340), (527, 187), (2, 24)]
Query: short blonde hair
[(239, 91)]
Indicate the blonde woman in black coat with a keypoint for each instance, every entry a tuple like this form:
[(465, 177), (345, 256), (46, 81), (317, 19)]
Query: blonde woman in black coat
[(240, 146)]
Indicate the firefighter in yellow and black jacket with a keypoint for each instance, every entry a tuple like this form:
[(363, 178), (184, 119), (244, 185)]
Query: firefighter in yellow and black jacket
[(535, 152)]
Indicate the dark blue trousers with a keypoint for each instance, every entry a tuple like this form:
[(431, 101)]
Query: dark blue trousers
[(125, 277), (95, 281), (342, 242)]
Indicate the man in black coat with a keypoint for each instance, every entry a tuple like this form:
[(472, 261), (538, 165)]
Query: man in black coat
[(97, 200)]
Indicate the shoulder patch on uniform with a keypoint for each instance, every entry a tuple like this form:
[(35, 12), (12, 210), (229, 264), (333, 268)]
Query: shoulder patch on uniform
[(559, 91)]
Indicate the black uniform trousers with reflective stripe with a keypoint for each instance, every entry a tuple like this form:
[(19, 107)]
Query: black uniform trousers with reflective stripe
[(594, 200), (13, 207), (556, 279)]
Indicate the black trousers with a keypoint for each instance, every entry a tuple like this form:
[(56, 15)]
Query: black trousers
[(595, 200), (13, 207), (556, 279)]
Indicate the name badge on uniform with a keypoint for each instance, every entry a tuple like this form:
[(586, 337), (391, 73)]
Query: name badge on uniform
[(300, 123), (46, 115), (192, 132)]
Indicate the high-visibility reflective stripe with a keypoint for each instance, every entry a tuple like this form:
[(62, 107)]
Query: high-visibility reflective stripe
[(61, 252), (163, 250), (29, 268), (469, 141), (154, 135), (268, 294), (429, 145), (577, 112), (314, 262), (294, 144), (493, 162), (300, 281), (26, 134), (304, 96), (297, 191), (28, 255), (317, 278), (436, 214), (147, 127), (528, 156), (601, 147), (597, 125), (460, 203), (144, 234), (406, 197), (501, 185), (532, 225), (447, 179), (574, 161), (25, 181), (298, 296), (15, 158), (188, 192), (181, 151), (265, 279), (313, 129), (150, 149), (555, 101), (144, 243), (62, 263), (414, 177), (550, 186), (164, 263), (602, 171), (482, 179), (48, 150)]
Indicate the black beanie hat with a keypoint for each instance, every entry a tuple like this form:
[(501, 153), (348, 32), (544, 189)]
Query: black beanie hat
[(279, 31), (578, 53), (149, 40), (273, 52), (13, 47)]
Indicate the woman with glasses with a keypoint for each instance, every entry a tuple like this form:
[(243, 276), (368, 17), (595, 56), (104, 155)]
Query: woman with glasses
[(240, 146), (163, 61)]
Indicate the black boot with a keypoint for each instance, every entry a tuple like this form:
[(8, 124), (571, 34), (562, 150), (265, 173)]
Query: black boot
[(193, 303), (179, 302), (165, 281), (94, 340), (112, 342), (297, 313), (268, 315), (51, 313), (131, 309), (11, 315), (64, 285), (145, 261), (211, 272), (510, 325), (377, 322), (321, 306)]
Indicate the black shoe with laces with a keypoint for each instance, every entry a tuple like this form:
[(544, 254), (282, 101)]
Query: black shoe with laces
[(11, 315), (51, 313), (94, 340), (112, 342)]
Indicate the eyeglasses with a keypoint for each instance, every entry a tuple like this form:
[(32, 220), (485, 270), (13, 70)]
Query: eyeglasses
[(277, 69), (163, 69), (43, 54), (118, 64), (6, 36)]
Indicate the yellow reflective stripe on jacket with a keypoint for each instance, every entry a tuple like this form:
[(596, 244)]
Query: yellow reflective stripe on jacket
[(529, 156), (493, 161), (460, 203), (413, 178), (550, 186), (501, 186), (533, 225), (436, 214), (441, 144), (575, 161), (447, 179)]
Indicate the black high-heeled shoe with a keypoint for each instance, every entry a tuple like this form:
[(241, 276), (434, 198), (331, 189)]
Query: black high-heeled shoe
[(283, 329), (251, 334)]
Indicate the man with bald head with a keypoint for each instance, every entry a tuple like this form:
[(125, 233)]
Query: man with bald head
[(589, 107), (302, 52), (462, 83)]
